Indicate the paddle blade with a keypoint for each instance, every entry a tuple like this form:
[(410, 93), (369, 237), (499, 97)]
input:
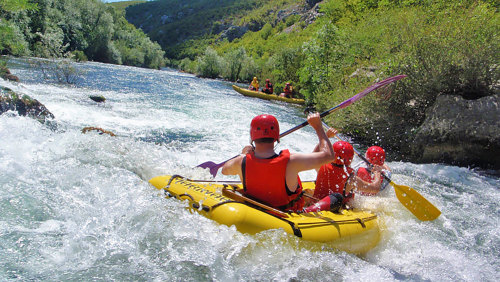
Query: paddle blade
[(416, 203), (213, 167), (370, 89)]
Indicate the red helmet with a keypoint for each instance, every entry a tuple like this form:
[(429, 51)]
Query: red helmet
[(264, 126), (375, 155), (344, 152)]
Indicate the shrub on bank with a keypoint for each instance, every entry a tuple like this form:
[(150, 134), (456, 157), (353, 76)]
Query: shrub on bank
[(446, 50)]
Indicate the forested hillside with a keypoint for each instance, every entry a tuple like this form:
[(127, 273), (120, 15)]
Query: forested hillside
[(81, 29), (336, 48), (171, 23)]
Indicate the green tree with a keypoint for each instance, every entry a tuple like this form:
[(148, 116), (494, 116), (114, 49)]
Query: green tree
[(234, 60), (322, 58), (209, 65), (285, 63), (12, 40)]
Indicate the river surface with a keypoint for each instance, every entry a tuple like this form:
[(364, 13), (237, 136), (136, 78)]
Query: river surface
[(79, 207)]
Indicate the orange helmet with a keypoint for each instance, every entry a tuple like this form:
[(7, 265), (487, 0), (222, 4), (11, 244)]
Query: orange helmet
[(344, 152), (264, 126), (375, 155)]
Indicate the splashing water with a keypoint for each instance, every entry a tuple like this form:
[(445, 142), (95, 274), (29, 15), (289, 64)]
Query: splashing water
[(78, 206)]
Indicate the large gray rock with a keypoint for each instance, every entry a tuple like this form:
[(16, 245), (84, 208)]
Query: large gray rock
[(233, 32), (461, 132), (24, 106)]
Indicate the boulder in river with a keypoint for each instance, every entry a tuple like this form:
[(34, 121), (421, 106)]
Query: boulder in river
[(23, 105), (7, 75), (98, 99), (460, 132)]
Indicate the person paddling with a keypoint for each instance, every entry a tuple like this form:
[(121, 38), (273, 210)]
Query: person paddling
[(376, 156), (337, 181), (268, 87), (287, 91), (254, 85), (273, 178)]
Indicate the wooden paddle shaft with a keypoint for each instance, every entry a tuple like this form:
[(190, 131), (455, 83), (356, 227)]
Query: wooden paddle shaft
[(233, 195)]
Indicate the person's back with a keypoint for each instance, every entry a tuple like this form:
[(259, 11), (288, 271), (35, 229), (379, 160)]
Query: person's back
[(268, 87), (333, 177), (273, 178), (287, 91)]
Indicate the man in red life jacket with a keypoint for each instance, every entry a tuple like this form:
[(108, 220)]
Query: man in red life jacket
[(336, 181), (273, 178), (287, 91), (376, 156), (268, 87)]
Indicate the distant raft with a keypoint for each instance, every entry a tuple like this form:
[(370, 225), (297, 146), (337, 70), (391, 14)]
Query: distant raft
[(262, 95), (351, 231)]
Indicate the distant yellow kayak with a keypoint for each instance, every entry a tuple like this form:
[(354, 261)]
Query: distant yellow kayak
[(351, 231), (262, 95)]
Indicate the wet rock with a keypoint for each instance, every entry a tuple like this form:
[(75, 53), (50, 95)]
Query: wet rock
[(24, 106), (97, 99), (460, 132), (7, 75)]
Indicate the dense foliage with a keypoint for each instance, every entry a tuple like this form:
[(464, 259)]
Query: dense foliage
[(74, 28), (174, 23), (445, 48)]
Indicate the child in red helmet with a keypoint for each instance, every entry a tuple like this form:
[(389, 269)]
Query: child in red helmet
[(376, 156), (337, 181)]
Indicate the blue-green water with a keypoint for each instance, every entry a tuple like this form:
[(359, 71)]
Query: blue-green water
[(78, 206)]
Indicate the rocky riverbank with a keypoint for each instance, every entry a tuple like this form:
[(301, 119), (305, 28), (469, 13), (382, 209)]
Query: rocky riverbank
[(460, 132)]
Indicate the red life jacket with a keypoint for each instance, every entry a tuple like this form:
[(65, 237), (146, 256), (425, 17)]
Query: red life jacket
[(264, 180), (367, 176), (332, 178), (364, 174)]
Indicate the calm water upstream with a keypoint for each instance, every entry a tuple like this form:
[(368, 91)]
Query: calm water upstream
[(79, 206)]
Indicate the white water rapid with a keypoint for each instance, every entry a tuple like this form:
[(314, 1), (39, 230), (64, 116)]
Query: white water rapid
[(79, 207)]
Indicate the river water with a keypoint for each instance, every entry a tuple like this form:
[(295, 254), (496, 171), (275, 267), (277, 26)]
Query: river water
[(78, 206)]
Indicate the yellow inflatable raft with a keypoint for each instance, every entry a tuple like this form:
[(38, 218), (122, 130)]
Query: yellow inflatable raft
[(351, 231), (262, 95)]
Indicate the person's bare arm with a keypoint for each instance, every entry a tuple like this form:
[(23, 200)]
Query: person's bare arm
[(331, 132), (233, 166), (358, 184), (302, 161)]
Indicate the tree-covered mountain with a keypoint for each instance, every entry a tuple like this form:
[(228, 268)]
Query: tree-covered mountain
[(331, 49), (74, 28), (171, 23)]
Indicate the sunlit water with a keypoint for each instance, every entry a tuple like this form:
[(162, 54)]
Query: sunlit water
[(78, 206)]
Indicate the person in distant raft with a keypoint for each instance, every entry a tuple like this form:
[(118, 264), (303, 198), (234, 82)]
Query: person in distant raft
[(254, 85), (337, 181), (376, 156), (268, 87), (271, 178), (287, 91)]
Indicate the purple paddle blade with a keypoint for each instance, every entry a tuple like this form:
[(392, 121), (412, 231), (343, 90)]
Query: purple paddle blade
[(213, 167)]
